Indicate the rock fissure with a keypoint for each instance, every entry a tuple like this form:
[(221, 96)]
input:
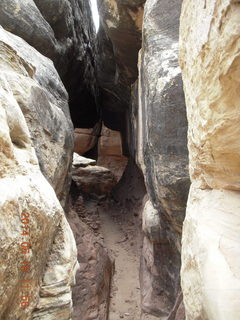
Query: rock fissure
[(105, 142)]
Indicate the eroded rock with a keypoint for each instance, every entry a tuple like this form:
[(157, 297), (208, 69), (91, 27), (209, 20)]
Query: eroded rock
[(119, 40), (209, 58), (32, 81), (63, 31), (27, 198), (159, 125)]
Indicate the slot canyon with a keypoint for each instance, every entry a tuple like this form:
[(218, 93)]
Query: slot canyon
[(119, 159)]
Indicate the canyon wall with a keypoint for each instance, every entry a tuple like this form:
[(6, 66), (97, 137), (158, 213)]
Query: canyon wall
[(161, 152), (63, 31), (209, 58), (38, 251), (124, 84)]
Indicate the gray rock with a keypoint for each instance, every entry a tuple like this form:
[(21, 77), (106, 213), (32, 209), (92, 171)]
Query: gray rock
[(161, 151), (63, 31), (119, 41), (94, 180)]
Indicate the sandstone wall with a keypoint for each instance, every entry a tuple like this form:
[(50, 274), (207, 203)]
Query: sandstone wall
[(36, 137), (209, 58), (160, 129), (63, 31), (121, 23), (44, 101), (119, 40)]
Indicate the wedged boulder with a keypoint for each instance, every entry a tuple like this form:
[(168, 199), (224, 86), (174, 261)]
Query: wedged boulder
[(110, 152), (33, 83), (209, 58), (86, 138), (160, 129), (38, 251)]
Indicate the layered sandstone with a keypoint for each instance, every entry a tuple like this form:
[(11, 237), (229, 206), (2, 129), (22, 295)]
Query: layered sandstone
[(210, 40), (37, 244)]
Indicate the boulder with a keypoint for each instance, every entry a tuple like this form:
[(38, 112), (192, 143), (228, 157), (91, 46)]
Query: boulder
[(38, 251), (84, 140), (79, 161), (110, 152), (94, 179), (209, 58)]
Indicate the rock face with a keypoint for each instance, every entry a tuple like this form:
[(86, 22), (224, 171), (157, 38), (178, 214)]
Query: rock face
[(62, 30), (159, 126), (92, 290), (37, 88), (210, 39), (38, 251), (119, 40)]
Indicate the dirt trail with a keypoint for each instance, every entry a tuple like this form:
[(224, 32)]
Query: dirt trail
[(121, 237)]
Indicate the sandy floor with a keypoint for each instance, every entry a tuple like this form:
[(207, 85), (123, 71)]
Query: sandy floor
[(120, 232)]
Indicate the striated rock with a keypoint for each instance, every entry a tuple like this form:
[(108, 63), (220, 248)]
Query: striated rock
[(94, 179), (110, 152), (55, 294), (159, 125), (63, 31), (91, 293), (162, 123), (210, 254), (32, 81), (35, 233), (209, 58)]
